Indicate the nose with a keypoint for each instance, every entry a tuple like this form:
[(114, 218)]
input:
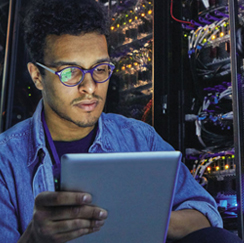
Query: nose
[(87, 85)]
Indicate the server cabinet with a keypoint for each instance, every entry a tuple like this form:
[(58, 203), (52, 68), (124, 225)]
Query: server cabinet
[(212, 40)]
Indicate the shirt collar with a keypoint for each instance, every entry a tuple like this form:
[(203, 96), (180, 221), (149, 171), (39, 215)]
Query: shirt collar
[(38, 142)]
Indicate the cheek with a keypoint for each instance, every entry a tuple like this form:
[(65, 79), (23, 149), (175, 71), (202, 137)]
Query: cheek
[(104, 90), (52, 89)]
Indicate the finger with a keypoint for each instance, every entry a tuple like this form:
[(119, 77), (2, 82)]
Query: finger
[(75, 212), (58, 227), (64, 237), (46, 199)]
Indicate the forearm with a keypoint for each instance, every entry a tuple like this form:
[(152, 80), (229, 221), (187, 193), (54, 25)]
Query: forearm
[(185, 221), (27, 236)]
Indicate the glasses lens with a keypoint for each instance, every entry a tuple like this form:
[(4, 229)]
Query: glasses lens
[(71, 75), (102, 72)]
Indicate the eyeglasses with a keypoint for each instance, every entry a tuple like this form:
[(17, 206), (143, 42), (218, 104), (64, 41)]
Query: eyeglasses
[(72, 76)]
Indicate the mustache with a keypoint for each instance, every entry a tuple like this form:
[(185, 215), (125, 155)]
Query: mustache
[(86, 97)]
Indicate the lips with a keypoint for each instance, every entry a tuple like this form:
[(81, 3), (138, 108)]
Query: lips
[(87, 105)]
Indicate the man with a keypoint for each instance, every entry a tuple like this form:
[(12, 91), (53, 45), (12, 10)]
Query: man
[(71, 66)]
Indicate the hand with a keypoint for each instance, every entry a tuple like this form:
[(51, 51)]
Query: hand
[(63, 216)]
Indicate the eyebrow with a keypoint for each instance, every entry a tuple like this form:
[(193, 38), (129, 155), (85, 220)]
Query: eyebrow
[(63, 63)]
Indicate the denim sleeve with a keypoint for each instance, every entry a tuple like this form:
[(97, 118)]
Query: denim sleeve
[(189, 193), (8, 218)]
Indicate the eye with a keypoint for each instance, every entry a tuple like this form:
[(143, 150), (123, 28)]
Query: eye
[(101, 69), (69, 73)]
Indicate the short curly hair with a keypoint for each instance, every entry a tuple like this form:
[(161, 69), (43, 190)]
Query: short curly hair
[(58, 17)]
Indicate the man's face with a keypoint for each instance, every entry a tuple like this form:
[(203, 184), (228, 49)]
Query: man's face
[(83, 104)]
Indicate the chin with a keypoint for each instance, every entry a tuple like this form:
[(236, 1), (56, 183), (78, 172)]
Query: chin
[(86, 122)]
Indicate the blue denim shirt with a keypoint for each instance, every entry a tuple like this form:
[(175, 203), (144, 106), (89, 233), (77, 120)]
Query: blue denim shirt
[(26, 168)]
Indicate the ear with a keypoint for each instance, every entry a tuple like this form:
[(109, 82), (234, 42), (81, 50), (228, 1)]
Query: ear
[(35, 75)]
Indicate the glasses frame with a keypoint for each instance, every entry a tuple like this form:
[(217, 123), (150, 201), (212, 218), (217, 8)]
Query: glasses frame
[(84, 71)]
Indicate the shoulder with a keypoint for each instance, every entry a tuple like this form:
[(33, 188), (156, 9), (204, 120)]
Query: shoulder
[(27, 134), (133, 133), (18, 132), (124, 123)]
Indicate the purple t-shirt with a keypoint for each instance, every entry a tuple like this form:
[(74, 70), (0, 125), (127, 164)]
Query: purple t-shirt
[(79, 146)]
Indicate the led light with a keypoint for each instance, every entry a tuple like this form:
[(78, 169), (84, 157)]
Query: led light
[(227, 167), (135, 63), (129, 65), (208, 168), (149, 59), (185, 35), (126, 15), (213, 37), (223, 157), (233, 156), (136, 17), (130, 20), (29, 94), (123, 68), (112, 28), (124, 23), (150, 12), (221, 34), (28, 87), (118, 25), (217, 167), (143, 15)]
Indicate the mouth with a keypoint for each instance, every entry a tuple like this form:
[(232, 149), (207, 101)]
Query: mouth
[(87, 105)]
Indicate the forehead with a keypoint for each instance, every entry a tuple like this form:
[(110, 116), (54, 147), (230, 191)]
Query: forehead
[(83, 49)]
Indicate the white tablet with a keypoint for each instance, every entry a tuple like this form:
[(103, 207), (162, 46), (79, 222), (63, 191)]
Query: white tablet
[(136, 188)]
